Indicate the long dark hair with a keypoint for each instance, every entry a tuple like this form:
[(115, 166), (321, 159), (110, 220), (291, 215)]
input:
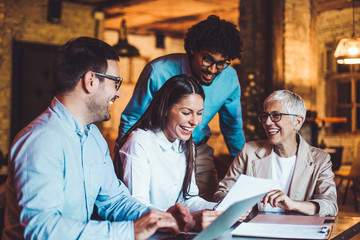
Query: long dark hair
[(154, 118)]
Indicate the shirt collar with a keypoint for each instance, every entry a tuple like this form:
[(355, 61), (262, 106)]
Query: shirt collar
[(69, 119), (165, 144), (186, 65)]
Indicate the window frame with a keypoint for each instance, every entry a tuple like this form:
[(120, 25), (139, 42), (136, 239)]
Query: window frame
[(333, 79)]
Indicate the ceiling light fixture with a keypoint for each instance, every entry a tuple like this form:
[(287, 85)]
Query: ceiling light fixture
[(348, 49), (123, 48)]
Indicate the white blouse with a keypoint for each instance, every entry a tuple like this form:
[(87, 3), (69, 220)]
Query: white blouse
[(154, 171), (282, 169)]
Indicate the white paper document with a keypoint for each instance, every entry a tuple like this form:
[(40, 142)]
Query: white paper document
[(282, 231), (246, 187)]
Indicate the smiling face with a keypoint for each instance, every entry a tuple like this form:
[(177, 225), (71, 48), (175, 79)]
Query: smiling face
[(183, 117), (99, 105), (281, 134), (206, 75)]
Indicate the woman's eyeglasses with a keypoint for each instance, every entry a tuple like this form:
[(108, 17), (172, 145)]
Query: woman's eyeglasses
[(274, 116)]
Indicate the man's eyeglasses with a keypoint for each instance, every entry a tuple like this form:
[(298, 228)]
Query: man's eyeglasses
[(274, 116), (221, 65), (118, 80)]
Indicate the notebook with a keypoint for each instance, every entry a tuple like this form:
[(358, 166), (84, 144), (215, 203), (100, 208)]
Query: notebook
[(286, 227), (282, 231)]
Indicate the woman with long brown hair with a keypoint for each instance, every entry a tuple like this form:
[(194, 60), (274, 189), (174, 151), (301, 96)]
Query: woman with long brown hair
[(156, 156)]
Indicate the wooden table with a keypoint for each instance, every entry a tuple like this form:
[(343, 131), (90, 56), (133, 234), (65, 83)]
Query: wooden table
[(342, 228), (345, 227)]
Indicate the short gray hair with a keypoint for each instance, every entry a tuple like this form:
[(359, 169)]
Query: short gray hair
[(292, 102)]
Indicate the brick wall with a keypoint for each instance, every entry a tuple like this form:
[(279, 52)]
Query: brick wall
[(300, 51), (26, 20)]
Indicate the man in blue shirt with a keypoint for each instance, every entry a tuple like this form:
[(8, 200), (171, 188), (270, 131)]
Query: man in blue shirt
[(209, 46), (60, 166)]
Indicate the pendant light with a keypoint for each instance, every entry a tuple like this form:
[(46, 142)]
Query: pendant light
[(348, 49), (123, 48)]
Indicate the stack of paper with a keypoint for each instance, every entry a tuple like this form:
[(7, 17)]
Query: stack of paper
[(286, 227), (284, 231), (246, 187)]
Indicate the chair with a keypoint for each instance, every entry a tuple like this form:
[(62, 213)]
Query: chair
[(336, 157), (352, 175)]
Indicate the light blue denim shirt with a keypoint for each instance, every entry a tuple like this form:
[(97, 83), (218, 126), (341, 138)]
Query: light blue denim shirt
[(222, 96), (58, 170)]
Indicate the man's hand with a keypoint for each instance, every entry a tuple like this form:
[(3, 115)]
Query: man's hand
[(203, 218), (150, 222), (182, 215)]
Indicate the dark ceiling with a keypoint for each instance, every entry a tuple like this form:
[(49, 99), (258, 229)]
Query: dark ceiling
[(175, 17)]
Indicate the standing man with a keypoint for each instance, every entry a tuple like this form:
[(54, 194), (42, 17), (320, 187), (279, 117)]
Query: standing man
[(209, 46), (60, 166)]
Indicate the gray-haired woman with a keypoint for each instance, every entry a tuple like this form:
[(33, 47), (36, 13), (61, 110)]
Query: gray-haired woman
[(304, 172)]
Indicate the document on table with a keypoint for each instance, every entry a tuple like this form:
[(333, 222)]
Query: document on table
[(286, 226), (296, 219), (282, 231), (246, 187)]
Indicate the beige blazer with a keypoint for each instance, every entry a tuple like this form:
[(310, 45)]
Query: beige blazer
[(313, 179)]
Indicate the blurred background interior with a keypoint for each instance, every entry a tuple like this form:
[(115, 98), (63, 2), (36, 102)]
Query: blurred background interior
[(289, 44)]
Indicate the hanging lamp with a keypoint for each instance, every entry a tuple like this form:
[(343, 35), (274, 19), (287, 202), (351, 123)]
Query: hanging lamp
[(123, 48), (348, 49)]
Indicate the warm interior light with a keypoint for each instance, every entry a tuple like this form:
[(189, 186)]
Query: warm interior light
[(348, 61), (348, 49), (353, 51)]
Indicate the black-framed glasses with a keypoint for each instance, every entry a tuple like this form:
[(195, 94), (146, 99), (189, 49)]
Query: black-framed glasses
[(118, 80), (274, 116), (221, 65)]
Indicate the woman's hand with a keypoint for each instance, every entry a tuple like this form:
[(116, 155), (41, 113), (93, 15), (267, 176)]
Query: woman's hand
[(245, 215), (276, 198), (182, 215), (203, 218)]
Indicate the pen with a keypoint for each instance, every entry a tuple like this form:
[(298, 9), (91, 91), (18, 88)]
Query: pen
[(324, 229)]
